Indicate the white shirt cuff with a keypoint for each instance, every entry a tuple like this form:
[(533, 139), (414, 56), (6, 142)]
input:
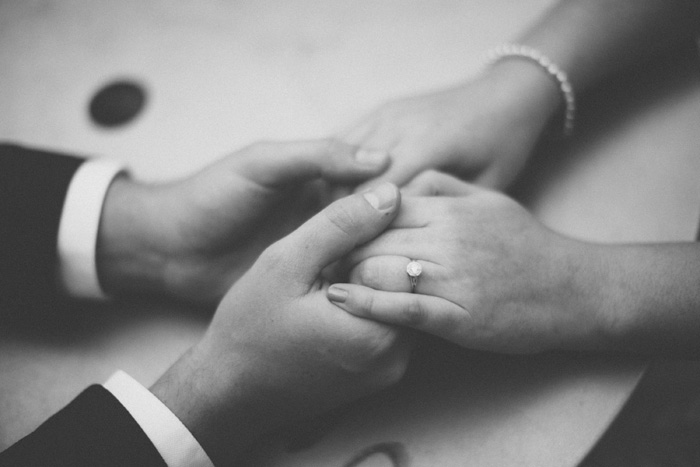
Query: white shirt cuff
[(80, 221), (171, 438)]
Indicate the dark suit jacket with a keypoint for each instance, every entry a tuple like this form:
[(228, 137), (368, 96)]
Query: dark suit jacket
[(33, 186), (94, 429)]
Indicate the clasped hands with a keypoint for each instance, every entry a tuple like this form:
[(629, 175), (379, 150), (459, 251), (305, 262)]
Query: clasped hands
[(283, 345), (493, 278)]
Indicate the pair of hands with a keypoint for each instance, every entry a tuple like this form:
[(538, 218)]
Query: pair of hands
[(278, 349), (283, 345), (192, 239), (493, 277)]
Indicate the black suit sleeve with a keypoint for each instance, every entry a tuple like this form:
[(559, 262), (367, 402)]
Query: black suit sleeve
[(93, 430), (33, 186)]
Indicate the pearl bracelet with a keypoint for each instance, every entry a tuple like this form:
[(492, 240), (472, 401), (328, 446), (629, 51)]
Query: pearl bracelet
[(529, 53)]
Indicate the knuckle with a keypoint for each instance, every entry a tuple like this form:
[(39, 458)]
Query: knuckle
[(340, 216), (391, 367), (273, 255), (452, 209), (435, 177), (427, 179), (415, 314), (380, 359), (334, 146), (375, 346), (394, 372), (427, 176), (386, 340), (367, 305), (424, 182), (368, 276), (335, 155)]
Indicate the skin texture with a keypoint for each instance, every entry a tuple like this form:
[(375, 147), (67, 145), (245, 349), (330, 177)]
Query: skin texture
[(191, 239), (493, 278), (482, 131), (496, 279), (277, 350)]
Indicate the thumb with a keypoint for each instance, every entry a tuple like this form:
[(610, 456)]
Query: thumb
[(339, 228), (398, 173), (274, 164), (433, 183)]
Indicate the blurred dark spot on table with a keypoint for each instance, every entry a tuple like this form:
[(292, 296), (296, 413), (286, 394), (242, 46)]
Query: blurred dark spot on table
[(117, 103)]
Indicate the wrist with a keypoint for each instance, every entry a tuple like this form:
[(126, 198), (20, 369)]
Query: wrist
[(531, 95), (128, 259), (649, 299), (582, 304), (213, 402)]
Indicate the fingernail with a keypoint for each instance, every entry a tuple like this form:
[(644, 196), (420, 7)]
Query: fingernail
[(373, 157), (382, 197), (337, 294)]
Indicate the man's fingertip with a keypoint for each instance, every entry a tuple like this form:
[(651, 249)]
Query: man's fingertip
[(383, 197), (375, 158)]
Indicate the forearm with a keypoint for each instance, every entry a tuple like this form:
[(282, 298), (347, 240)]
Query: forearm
[(190, 392), (590, 39), (222, 402), (644, 298)]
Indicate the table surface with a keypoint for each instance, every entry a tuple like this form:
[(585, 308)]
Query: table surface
[(220, 75)]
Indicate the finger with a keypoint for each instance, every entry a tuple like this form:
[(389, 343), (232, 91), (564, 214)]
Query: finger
[(417, 232), (398, 173), (338, 229), (359, 133), (433, 315), (423, 229), (433, 183), (350, 165), (418, 212), (340, 191), (388, 273), (274, 164), (412, 234)]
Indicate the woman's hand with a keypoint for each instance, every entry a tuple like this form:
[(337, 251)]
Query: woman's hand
[(493, 278), (481, 131), (193, 238)]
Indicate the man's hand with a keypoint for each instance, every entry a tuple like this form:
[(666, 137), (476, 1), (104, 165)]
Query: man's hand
[(493, 277), (277, 349), (193, 238)]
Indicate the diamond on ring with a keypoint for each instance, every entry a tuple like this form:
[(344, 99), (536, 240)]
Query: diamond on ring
[(414, 269)]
